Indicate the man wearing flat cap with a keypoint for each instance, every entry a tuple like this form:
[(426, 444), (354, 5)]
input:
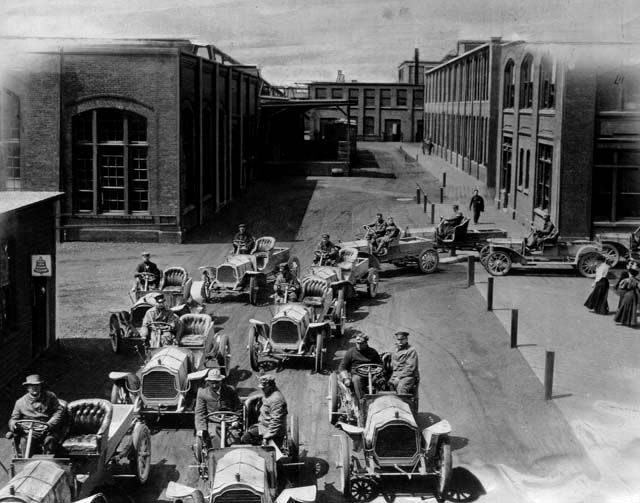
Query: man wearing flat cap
[(161, 313), (361, 354), (405, 375), (213, 397), (272, 422), (41, 405), (546, 233), (326, 253), (243, 241), (146, 267), (287, 282)]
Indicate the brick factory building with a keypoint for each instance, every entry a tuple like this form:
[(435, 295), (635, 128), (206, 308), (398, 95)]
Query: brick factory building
[(27, 278), (147, 138)]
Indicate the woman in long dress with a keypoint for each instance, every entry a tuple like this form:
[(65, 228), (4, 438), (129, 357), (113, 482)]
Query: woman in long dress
[(629, 289), (597, 300)]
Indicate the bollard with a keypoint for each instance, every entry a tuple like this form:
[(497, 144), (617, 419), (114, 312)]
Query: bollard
[(471, 270), (514, 328), (548, 375), (441, 195), (489, 294), (418, 195), (452, 251), (444, 179), (433, 213), (424, 201)]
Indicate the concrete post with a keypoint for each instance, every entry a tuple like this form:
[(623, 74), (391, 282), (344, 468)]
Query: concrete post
[(490, 294), (444, 179), (433, 213), (441, 195), (418, 195), (471, 270), (548, 375), (514, 328)]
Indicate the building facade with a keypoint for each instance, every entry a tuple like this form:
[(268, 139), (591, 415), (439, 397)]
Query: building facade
[(147, 138), (27, 278)]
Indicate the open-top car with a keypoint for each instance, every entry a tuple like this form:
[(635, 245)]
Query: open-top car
[(461, 238), (167, 382), (618, 246), (243, 273), (500, 255)]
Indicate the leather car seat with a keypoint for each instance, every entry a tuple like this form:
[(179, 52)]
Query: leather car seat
[(314, 291), (459, 231), (261, 250), (195, 329), (89, 421), (346, 258)]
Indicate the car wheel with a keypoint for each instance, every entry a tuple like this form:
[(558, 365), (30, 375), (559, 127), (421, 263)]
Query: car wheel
[(333, 398), (485, 251), (115, 332), (319, 356), (611, 254), (588, 263), (444, 468), (254, 349), (225, 348), (373, 277), (339, 316), (428, 261), (293, 438), (498, 263), (140, 456), (119, 395), (254, 289), (363, 489), (294, 266), (344, 465)]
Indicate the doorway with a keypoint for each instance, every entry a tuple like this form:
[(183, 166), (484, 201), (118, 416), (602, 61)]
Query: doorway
[(392, 130)]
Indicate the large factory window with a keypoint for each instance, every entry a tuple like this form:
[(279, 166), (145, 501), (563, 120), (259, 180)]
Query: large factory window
[(10, 139)]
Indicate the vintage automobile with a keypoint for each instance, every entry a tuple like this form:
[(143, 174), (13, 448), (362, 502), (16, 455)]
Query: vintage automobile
[(243, 273), (99, 436), (462, 238), (167, 382), (292, 333), (500, 255), (619, 245), (387, 445), (402, 251)]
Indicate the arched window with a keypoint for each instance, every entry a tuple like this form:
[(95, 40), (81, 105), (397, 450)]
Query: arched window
[(547, 84), (526, 83), (10, 139), (110, 173), (509, 91)]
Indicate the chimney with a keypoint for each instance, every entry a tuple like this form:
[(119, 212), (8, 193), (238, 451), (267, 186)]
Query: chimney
[(416, 64)]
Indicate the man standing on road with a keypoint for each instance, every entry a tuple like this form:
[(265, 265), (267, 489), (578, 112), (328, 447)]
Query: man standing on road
[(359, 355), (161, 314), (476, 205), (40, 405), (272, 422), (405, 375)]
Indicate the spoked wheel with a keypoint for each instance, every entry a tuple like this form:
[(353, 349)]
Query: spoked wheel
[(588, 263), (344, 465), (140, 457), (362, 489), (444, 468), (319, 356), (428, 260), (373, 278), (485, 251), (225, 350), (498, 263), (115, 332), (339, 313), (333, 398), (293, 438), (611, 254), (254, 289), (119, 394), (253, 344)]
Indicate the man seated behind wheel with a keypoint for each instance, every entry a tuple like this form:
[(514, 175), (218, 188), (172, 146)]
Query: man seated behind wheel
[(377, 228), (405, 375), (272, 422), (213, 397), (162, 314), (544, 233), (447, 225), (243, 241), (358, 355), (326, 251), (41, 405), (391, 232), (287, 280), (146, 266)]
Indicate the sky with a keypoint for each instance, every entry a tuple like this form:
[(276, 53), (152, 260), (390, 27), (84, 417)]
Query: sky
[(304, 40)]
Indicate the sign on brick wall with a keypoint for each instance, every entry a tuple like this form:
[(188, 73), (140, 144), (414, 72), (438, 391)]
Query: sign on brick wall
[(40, 265)]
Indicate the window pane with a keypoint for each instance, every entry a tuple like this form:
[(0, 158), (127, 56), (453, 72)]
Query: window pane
[(137, 129), (385, 97), (83, 178), (110, 126), (402, 98), (369, 97), (354, 95), (628, 198), (111, 178), (139, 179), (336, 93), (369, 125), (418, 98), (82, 128), (321, 93)]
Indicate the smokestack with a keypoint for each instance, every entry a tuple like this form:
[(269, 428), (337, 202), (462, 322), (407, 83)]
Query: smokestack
[(416, 60)]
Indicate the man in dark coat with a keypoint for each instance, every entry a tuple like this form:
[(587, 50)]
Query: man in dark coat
[(272, 422), (243, 241), (391, 232), (358, 355), (376, 228), (405, 375), (447, 225), (146, 267), (326, 252), (162, 314), (547, 233), (476, 205)]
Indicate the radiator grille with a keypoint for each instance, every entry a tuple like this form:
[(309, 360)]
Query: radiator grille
[(237, 496), (226, 274), (284, 332), (159, 384), (396, 441)]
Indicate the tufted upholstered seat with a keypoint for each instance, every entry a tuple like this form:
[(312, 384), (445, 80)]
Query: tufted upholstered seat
[(195, 329), (314, 290), (261, 250), (89, 421), (459, 232), (347, 258), (174, 279)]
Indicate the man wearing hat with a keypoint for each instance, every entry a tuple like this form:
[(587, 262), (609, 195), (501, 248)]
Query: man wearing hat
[(546, 233), (326, 253), (213, 397), (358, 355), (391, 232), (43, 406), (146, 266), (405, 375), (286, 281), (377, 228), (272, 422), (243, 241), (161, 313)]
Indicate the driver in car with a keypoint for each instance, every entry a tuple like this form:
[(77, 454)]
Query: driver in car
[(391, 232), (41, 405), (148, 267), (272, 422), (287, 280), (405, 375), (544, 233), (243, 241), (447, 225), (376, 228), (358, 355), (213, 397), (161, 313), (326, 252)]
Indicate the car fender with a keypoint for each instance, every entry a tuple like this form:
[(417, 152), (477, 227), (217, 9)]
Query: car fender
[(198, 375), (304, 494), (118, 376), (257, 323), (314, 326), (336, 285), (176, 491), (590, 248), (510, 251)]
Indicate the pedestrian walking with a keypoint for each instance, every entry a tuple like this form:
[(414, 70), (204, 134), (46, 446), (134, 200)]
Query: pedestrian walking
[(628, 288), (476, 205), (429, 145), (597, 299)]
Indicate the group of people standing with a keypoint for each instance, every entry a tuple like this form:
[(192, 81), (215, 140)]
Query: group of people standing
[(627, 287)]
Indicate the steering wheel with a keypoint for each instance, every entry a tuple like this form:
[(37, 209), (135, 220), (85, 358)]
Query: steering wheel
[(366, 369), (34, 425), (161, 326), (146, 275), (223, 416)]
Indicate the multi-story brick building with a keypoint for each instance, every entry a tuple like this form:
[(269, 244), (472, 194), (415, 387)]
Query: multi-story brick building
[(147, 138), (27, 278)]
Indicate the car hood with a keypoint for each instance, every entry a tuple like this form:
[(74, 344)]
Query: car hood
[(240, 467), (387, 409)]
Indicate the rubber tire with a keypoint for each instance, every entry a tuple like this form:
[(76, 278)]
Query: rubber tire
[(254, 358), (254, 289), (293, 438), (344, 464), (587, 264), (294, 265), (445, 469), (503, 257), (141, 446), (428, 260), (115, 333), (485, 251), (197, 497), (611, 253), (373, 277), (368, 484), (225, 346), (338, 316), (319, 356), (333, 398)]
